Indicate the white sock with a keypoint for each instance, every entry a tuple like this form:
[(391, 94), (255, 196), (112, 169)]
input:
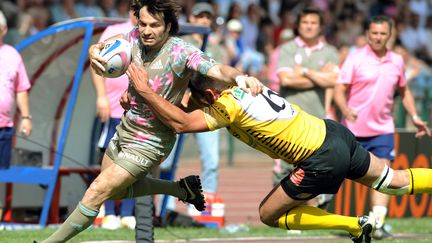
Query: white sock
[(380, 213)]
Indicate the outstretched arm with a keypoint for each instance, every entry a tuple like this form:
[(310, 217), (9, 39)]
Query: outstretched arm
[(169, 114), (409, 104), (233, 76)]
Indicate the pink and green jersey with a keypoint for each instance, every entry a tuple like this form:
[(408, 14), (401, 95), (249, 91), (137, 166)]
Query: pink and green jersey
[(169, 71)]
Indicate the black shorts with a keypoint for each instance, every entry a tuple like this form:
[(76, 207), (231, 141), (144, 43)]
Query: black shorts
[(339, 157)]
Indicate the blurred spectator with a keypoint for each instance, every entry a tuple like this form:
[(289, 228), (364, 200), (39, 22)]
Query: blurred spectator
[(40, 17), (307, 67), (122, 9), (273, 80), (233, 44), (417, 73), (422, 8), (63, 10), (265, 43), (427, 53), (285, 23), (12, 15), (272, 9), (250, 22), (234, 12), (349, 28), (14, 85), (108, 8), (89, 8), (245, 59), (412, 35), (360, 42)]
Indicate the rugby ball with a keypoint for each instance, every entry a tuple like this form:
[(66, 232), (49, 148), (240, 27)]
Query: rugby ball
[(117, 54)]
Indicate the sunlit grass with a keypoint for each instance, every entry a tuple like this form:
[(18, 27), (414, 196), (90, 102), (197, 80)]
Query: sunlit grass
[(419, 227)]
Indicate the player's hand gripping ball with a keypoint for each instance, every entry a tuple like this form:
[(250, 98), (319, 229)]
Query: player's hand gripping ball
[(117, 54)]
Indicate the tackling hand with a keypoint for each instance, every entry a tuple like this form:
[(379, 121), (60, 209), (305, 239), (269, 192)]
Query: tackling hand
[(124, 101), (139, 79), (249, 83)]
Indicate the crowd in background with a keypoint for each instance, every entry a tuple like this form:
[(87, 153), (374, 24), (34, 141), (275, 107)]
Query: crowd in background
[(250, 30)]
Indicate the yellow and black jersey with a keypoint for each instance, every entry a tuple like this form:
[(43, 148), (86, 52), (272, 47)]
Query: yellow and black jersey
[(268, 123)]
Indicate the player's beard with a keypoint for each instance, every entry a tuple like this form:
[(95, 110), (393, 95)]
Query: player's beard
[(156, 43)]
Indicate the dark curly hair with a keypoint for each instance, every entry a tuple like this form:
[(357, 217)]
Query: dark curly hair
[(379, 20), (168, 9)]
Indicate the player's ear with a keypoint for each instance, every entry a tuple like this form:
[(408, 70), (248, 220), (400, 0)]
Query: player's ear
[(168, 28), (210, 96)]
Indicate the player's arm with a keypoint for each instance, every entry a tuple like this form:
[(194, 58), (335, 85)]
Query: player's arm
[(232, 76), (169, 114), (409, 105)]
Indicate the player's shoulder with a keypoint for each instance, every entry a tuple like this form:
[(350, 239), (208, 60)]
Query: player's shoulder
[(177, 43), (176, 40)]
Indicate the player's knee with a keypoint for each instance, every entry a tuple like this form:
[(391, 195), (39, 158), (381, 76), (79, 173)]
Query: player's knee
[(267, 218), (391, 182), (100, 187)]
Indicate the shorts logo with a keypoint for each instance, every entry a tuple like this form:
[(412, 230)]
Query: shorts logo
[(139, 160), (297, 176)]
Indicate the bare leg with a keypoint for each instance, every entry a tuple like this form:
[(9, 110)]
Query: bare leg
[(280, 210), (275, 204), (401, 178)]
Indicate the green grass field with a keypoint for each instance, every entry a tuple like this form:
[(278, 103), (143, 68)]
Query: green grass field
[(409, 230)]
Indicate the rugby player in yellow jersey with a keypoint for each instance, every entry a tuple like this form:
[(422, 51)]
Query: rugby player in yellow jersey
[(323, 152)]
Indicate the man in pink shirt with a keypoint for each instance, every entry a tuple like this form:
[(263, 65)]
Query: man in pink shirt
[(14, 84), (364, 93)]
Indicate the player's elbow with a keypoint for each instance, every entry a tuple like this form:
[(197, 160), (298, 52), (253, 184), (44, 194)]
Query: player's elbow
[(179, 127)]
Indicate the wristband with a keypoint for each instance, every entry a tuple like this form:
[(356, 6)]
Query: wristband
[(241, 81), (26, 117), (416, 117)]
